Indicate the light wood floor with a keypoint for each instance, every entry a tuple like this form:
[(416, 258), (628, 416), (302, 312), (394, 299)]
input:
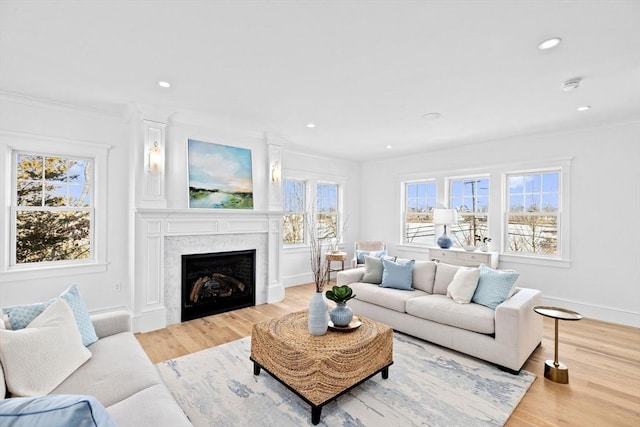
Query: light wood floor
[(603, 361)]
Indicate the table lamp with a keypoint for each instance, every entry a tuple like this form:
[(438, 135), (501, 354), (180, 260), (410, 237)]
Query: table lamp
[(444, 217)]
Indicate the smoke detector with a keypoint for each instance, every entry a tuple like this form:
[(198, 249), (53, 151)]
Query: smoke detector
[(571, 84)]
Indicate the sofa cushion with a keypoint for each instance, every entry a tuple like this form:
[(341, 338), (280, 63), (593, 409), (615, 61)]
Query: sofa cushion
[(21, 315), (494, 286), (463, 285), (397, 274), (61, 410), (444, 276), (393, 299), (153, 406), (118, 368), (372, 270), (442, 309), (424, 273), (39, 357)]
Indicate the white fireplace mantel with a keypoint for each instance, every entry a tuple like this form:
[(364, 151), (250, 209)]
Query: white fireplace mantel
[(200, 230)]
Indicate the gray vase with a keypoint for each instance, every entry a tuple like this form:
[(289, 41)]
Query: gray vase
[(341, 315), (318, 319)]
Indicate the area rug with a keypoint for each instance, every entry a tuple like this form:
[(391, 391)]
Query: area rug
[(428, 385)]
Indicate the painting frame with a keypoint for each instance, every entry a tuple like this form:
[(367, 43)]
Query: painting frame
[(219, 176)]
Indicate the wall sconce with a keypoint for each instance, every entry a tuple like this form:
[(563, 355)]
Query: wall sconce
[(276, 173), (155, 159)]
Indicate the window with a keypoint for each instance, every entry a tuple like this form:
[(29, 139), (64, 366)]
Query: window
[(533, 213), (52, 209), (293, 204), (327, 211), (420, 199), (470, 198)]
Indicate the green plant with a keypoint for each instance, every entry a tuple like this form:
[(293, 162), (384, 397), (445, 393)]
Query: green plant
[(340, 294)]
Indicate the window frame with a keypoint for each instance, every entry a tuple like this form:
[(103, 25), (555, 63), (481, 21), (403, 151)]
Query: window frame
[(15, 209), (337, 215), (562, 256), (497, 205), (405, 213), (477, 214), (15, 142), (305, 191)]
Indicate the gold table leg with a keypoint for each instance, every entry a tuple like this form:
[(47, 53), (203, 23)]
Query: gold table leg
[(553, 369)]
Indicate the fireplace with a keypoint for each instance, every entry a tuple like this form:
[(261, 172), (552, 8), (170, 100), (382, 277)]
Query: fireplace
[(217, 282)]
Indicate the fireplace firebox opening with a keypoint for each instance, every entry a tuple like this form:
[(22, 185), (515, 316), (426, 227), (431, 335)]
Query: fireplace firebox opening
[(217, 282)]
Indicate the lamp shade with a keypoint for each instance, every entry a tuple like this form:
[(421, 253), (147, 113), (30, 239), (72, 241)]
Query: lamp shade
[(444, 216)]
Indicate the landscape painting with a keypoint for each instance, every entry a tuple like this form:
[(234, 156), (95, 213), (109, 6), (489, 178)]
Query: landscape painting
[(220, 176)]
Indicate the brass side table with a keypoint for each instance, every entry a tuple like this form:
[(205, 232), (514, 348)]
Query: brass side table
[(553, 369)]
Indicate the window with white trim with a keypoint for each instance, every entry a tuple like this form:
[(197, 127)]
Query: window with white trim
[(469, 196), (532, 220), (327, 210), (293, 204), (419, 201), (52, 212)]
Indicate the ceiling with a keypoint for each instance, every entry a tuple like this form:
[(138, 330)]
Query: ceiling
[(364, 72)]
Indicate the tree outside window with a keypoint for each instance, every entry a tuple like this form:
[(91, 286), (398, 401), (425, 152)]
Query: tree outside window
[(293, 203), (533, 213), (53, 209), (420, 199), (327, 211), (470, 197)]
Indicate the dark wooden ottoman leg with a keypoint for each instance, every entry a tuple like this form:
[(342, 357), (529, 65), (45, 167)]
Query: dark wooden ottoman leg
[(256, 369), (385, 373), (315, 415)]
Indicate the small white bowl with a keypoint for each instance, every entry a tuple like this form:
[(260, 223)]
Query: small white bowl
[(470, 248)]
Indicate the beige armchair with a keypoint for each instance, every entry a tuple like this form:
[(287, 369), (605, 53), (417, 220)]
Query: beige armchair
[(367, 245)]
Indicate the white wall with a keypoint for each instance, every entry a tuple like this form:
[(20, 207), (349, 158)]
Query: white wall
[(296, 264), (51, 120), (603, 279)]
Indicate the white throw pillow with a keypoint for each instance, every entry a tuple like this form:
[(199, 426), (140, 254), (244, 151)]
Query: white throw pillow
[(463, 285), (38, 358)]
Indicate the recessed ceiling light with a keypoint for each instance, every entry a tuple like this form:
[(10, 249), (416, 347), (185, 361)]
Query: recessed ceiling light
[(549, 43), (311, 125), (431, 116), (584, 108), (388, 147), (164, 84)]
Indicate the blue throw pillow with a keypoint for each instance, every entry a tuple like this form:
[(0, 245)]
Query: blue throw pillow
[(54, 410), (21, 315), (376, 254), (398, 275), (494, 286)]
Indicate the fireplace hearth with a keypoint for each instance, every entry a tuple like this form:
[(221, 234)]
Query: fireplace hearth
[(218, 282)]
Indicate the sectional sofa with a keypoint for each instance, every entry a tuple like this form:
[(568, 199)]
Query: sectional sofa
[(505, 335), (114, 373)]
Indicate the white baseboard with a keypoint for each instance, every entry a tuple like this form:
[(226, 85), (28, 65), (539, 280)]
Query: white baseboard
[(150, 320), (298, 279), (598, 312)]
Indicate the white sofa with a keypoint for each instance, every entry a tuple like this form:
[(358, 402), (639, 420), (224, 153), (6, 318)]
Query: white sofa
[(505, 336), (121, 377)]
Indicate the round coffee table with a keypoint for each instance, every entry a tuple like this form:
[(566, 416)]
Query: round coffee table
[(553, 369)]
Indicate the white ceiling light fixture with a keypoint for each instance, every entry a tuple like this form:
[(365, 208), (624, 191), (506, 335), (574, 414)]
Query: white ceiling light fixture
[(571, 84), (389, 147), (549, 43), (311, 125), (584, 108), (164, 84)]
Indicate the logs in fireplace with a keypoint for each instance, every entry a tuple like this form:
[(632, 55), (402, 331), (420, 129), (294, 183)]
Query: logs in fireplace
[(217, 282)]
